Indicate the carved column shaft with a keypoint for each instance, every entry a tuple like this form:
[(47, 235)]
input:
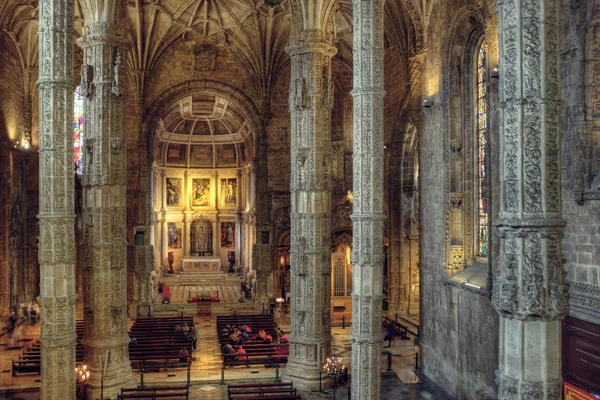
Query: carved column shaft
[(261, 259), (105, 192), (57, 216), (530, 293), (310, 108), (368, 217)]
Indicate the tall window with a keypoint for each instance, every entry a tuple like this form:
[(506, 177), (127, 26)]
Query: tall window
[(78, 131), (482, 156)]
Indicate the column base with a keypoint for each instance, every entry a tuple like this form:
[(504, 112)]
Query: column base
[(111, 387), (117, 372), (306, 376), (530, 360)]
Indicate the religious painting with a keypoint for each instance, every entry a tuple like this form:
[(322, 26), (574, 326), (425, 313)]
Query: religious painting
[(176, 154), (228, 235), (228, 192), (201, 155), (173, 192), (201, 192), (174, 235)]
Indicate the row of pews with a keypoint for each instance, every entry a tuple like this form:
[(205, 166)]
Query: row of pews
[(257, 391), (258, 352), (157, 345), (30, 360)]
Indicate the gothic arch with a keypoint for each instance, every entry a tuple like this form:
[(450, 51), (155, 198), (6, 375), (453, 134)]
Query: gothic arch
[(466, 32)]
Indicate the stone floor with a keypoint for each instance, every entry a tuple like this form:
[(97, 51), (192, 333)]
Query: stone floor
[(206, 372)]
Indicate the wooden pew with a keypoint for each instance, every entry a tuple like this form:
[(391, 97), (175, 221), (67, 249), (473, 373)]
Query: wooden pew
[(155, 392), (272, 391)]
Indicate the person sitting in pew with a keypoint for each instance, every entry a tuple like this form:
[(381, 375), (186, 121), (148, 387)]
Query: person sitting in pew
[(228, 349), (262, 335), (236, 338), (184, 356), (242, 355)]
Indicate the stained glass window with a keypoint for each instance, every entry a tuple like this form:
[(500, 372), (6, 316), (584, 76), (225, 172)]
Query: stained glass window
[(78, 131), (482, 161)]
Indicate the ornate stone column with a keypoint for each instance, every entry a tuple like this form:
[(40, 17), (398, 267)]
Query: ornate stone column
[(368, 216), (261, 259), (144, 265), (105, 192), (57, 216), (311, 101), (529, 293)]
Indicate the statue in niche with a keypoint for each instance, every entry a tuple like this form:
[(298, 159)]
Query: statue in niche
[(201, 237)]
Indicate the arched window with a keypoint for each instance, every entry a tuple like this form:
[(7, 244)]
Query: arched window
[(482, 176), (78, 122)]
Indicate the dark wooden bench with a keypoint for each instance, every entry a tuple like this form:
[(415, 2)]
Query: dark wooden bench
[(24, 366), (252, 391), (155, 392)]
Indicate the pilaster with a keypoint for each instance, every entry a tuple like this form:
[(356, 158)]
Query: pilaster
[(368, 216), (105, 192), (530, 292), (56, 215), (310, 102)]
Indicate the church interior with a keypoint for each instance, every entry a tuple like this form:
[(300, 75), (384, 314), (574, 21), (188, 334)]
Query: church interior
[(240, 199)]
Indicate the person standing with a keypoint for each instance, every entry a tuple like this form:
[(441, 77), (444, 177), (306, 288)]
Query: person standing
[(194, 337)]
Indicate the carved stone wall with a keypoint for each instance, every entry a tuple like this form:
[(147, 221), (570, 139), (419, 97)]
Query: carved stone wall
[(580, 59), (455, 323)]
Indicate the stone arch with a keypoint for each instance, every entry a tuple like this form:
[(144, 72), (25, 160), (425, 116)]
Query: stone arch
[(187, 87)]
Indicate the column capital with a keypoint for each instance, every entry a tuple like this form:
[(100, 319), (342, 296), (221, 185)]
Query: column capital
[(102, 33), (303, 46)]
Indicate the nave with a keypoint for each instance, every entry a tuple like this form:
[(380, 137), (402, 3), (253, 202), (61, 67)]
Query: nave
[(206, 364)]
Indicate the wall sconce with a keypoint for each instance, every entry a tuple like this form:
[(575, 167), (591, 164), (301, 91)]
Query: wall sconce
[(21, 144), (350, 197), (427, 102), (494, 72)]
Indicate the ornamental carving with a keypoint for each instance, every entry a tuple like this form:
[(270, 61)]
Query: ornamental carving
[(87, 76), (205, 57)]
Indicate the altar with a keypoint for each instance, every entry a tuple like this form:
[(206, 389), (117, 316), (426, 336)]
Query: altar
[(201, 264)]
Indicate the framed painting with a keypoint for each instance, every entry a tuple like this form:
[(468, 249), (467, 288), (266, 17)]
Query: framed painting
[(228, 235), (173, 192), (174, 232), (228, 192), (201, 192)]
